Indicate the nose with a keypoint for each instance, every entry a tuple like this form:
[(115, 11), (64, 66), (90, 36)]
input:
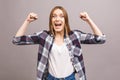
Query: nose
[(57, 18)]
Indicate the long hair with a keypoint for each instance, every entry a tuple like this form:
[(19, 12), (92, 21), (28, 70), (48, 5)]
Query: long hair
[(66, 27)]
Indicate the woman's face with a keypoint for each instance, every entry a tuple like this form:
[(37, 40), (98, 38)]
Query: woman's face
[(58, 20)]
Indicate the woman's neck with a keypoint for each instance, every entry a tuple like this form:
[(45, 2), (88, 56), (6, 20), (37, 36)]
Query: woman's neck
[(59, 38), (59, 34)]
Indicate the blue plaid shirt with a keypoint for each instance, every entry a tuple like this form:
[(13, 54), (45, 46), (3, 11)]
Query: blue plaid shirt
[(73, 43)]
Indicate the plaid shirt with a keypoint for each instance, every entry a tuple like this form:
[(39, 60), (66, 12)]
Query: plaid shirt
[(73, 43)]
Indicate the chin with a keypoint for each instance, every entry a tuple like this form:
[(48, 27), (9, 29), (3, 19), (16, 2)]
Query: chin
[(58, 30)]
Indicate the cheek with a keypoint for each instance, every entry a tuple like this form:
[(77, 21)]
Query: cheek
[(63, 22)]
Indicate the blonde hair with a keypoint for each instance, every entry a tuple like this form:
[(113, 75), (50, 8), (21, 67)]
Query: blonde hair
[(67, 27)]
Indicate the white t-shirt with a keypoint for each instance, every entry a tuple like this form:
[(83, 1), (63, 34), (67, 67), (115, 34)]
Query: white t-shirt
[(60, 64)]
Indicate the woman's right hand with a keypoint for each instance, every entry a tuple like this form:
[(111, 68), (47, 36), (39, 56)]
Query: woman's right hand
[(32, 17)]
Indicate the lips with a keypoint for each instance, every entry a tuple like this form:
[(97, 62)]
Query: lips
[(58, 24)]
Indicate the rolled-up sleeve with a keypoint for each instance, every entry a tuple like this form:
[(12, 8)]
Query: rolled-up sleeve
[(88, 38), (26, 40)]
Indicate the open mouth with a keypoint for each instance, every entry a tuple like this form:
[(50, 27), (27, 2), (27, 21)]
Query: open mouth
[(58, 24)]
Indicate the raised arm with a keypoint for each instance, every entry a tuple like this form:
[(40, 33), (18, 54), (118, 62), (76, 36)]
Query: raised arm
[(97, 37), (30, 18), (84, 16), (20, 38)]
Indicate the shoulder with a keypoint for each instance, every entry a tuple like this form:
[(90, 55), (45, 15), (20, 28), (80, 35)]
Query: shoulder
[(75, 32), (43, 32)]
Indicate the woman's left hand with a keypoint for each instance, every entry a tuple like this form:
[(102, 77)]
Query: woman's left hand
[(84, 16)]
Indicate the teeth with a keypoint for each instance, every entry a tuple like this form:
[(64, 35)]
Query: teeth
[(57, 24)]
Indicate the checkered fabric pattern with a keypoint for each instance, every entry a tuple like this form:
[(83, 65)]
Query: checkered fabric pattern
[(73, 43)]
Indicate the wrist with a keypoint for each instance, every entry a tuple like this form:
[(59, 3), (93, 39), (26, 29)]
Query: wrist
[(88, 20), (27, 21)]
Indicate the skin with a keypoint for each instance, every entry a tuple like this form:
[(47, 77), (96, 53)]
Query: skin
[(58, 23)]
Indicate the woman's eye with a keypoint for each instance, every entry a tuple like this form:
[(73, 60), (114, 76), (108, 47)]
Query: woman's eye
[(62, 16), (54, 16)]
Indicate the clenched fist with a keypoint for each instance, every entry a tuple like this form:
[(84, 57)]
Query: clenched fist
[(32, 17), (84, 16)]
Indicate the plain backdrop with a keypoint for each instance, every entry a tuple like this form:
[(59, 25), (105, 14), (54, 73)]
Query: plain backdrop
[(19, 62)]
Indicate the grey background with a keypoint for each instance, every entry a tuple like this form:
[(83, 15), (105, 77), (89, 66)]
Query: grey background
[(19, 62)]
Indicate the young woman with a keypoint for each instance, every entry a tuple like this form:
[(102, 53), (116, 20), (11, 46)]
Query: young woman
[(60, 54)]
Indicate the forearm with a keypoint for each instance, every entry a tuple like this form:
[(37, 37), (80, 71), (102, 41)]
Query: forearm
[(22, 29), (31, 17), (94, 27), (84, 16)]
